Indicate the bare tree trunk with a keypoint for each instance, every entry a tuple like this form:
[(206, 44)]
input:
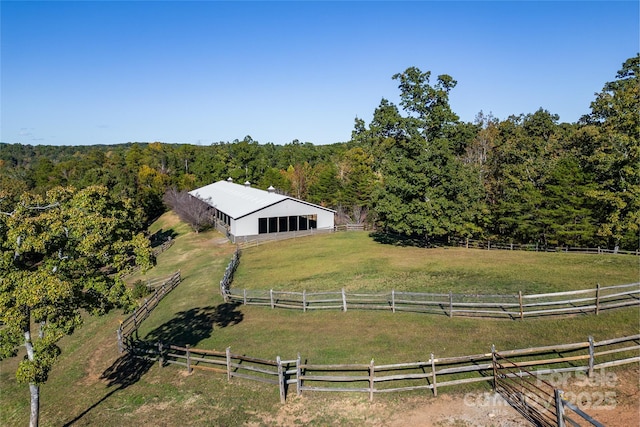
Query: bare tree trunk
[(34, 389)]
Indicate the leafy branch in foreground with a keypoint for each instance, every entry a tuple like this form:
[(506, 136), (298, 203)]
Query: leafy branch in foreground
[(61, 254)]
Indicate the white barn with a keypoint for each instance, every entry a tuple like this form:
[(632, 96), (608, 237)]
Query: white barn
[(245, 213)]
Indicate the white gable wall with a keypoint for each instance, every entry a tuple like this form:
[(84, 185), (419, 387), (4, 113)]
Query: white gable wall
[(249, 212), (248, 225)]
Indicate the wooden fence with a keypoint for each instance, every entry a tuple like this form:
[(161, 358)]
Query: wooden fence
[(260, 239), (227, 278), (130, 325), (543, 403), (535, 399), (430, 374), (155, 251), (515, 306), (489, 245)]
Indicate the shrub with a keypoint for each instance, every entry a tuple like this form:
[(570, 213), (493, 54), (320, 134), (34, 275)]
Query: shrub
[(140, 289)]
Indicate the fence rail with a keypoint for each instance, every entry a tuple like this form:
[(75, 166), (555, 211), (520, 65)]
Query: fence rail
[(491, 245), (130, 324), (227, 278), (516, 306), (259, 239), (535, 400), (431, 374), (155, 251)]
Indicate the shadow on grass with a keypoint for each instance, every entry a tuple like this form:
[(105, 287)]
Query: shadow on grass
[(161, 236), (194, 325), (399, 240), (414, 240), (188, 327), (125, 371)]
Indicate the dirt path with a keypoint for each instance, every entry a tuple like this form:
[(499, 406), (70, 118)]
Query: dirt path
[(477, 409)]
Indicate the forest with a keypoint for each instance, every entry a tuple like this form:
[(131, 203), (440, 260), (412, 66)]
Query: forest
[(415, 170)]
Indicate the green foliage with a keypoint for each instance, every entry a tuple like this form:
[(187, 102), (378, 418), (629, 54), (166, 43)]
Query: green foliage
[(613, 155), (140, 289), (521, 161), (415, 169), (330, 262), (425, 189), (56, 253)]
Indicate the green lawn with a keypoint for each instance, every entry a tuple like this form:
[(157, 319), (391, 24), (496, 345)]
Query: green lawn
[(355, 262), (85, 388)]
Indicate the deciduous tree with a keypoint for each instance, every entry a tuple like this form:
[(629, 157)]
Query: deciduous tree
[(61, 254), (614, 155), (425, 189)]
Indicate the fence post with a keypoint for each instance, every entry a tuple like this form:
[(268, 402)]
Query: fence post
[(160, 356), (344, 300), (597, 298), (281, 380), (188, 359), (298, 377), (393, 300), (119, 332), (559, 407), (228, 352), (495, 368), (591, 356), (520, 301), (467, 243), (371, 380), (450, 304), (244, 296), (304, 300), (271, 297), (433, 375)]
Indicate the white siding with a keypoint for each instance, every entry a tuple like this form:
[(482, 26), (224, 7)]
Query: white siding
[(248, 225), (244, 206)]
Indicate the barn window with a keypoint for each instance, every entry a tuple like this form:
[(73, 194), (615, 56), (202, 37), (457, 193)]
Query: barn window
[(273, 224), (313, 222), (287, 223), (293, 223), (262, 225)]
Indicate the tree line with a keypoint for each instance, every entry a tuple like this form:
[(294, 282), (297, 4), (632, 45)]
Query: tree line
[(71, 218), (415, 170)]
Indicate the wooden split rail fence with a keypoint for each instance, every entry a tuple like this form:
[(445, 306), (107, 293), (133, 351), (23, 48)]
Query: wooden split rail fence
[(430, 374), (155, 251), (541, 402), (516, 306), (129, 326), (227, 278), (492, 245)]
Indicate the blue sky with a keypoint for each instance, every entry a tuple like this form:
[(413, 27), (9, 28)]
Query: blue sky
[(201, 72)]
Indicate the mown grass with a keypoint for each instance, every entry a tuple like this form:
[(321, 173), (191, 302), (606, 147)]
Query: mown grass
[(355, 262), (85, 388)]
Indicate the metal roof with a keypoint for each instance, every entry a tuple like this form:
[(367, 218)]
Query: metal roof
[(238, 200)]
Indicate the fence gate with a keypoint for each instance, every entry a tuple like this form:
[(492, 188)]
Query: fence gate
[(534, 398)]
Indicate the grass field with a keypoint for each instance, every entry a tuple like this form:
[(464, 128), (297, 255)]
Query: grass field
[(85, 387), (355, 262)]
